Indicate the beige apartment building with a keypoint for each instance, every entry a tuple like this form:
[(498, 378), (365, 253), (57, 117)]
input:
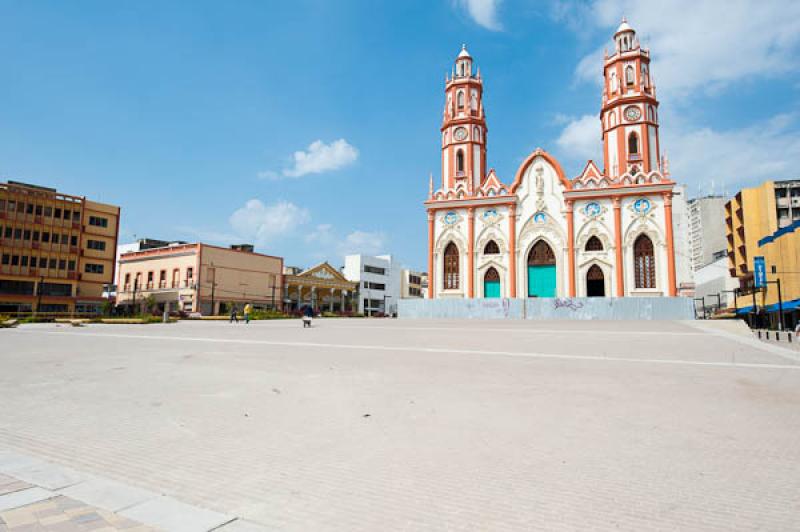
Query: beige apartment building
[(200, 278), (56, 250)]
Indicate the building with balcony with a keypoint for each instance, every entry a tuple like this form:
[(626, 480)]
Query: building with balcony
[(411, 284), (200, 278), (56, 250), (750, 215)]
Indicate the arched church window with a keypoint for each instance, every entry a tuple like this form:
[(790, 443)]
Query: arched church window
[(629, 75), (460, 161), (613, 82), (451, 267), (491, 248), (476, 133), (650, 114), (463, 68), (633, 143), (612, 119), (644, 262), (460, 99), (594, 244)]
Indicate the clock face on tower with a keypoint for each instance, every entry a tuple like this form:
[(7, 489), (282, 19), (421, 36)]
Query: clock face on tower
[(632, 113), (460, 133)]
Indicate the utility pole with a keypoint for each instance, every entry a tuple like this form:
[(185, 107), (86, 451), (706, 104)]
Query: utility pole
[(213, 272), (39, 294), (135, 286)]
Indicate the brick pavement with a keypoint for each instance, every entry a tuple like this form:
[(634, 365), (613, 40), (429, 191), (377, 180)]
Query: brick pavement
[(58, 514), (471, 426)]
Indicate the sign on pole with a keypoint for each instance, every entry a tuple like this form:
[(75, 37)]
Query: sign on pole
[(760, 272)]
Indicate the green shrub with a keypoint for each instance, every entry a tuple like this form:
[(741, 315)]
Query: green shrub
[(268, 315)]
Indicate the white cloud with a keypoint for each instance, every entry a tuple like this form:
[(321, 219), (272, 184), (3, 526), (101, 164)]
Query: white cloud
[(319, 157), (699, 45), (735, 158), (263, 223), (580, 139), (483, 12), (328, 243)]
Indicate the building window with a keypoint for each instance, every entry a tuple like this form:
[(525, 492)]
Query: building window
[(15, 260), (97, 221), (38, 210), (62, 264), (99, 245), (29, 208), (451, 267), (460, 162), (24, 261), (45, 237), (17, 234), (594, 244), (53, 263), (460, 99), (6, 259), (189, 273), (55, 238), (629, 75), (633, 143), (73, 240), (48, 211), (93, 268), (491, 248), (644, 262), (127, 278), (375, 270), (71, 265)]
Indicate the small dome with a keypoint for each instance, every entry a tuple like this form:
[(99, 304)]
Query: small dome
[(624, 26), (464, 53)]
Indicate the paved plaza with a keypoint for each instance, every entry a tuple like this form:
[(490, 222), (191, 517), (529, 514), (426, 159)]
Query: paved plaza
[(383, 425)]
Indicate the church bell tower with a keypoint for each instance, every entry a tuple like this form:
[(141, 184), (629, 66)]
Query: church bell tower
[(630, 109), (463, 127)]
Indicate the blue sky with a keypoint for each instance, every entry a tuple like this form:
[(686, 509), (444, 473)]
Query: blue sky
[(310, 127)]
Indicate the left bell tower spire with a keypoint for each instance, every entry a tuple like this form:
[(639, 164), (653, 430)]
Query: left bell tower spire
[(464, 127)]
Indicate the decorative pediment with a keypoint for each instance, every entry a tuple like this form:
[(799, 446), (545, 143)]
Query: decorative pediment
[(492, 186), (323, 272)]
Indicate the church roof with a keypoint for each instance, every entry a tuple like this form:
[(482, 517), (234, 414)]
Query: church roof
[(464, 52)]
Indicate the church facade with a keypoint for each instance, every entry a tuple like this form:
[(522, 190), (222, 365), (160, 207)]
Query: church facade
[(607, 232)]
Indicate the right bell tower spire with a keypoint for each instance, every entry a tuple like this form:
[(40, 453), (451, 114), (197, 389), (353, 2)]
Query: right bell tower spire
[(629, 113)]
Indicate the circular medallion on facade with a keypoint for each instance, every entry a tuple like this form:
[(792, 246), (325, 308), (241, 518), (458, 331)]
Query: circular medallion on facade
[(490, 214), (460, 133), (540, 217), (592, 209), (632, 113), (450, 218), (642, 205)]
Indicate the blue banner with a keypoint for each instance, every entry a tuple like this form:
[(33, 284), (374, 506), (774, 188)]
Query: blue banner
[(760, 272)]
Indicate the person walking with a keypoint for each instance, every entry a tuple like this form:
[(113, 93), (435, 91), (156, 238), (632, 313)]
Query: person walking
[(248, 308), (308, 313), (234, 317)]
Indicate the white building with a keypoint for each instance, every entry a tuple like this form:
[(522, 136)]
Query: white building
[(412, 284), (378, 281), (707, 230)]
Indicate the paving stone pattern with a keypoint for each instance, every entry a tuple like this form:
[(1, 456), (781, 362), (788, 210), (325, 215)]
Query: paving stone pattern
[(363, 425)]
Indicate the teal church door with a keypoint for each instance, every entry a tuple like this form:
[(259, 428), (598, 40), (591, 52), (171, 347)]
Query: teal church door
[(541, 271), (491, 283)]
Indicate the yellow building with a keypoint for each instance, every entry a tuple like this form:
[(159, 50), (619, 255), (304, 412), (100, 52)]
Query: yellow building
[(763, 222), (200, 278), (749, 216), (57, 250)]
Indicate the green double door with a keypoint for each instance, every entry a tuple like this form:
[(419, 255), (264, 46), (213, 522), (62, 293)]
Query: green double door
[(542, 280)]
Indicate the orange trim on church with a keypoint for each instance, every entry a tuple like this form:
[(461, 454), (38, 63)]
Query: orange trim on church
[(571, 247), (618, 247), (670, 245)]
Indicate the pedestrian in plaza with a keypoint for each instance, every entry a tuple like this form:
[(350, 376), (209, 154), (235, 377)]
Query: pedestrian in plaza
[(308, 313), (248, 308), (234, 317)]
